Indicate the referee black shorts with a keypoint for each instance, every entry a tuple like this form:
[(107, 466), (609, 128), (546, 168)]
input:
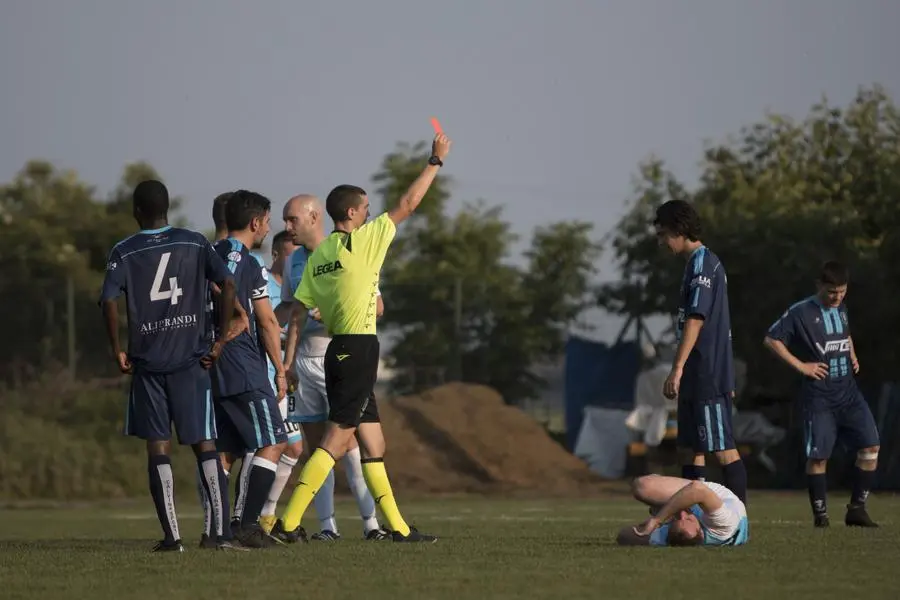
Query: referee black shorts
[(351, 369)]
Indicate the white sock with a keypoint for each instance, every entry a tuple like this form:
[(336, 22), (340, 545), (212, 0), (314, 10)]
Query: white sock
[(360, 490), (286, 464), (243, 480), (324, 503), (204, 501)]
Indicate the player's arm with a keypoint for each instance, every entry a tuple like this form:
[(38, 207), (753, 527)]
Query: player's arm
[(283, 310), (777, 339), (302, 302), (693, 493), (114, 285), (218, 274), (409, 201), (379, 307), (853, 358), (271, 339)]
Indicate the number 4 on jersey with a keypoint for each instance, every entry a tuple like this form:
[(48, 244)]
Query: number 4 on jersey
[(174, 292)]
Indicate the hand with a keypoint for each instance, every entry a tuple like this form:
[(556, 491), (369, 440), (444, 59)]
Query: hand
[(672, 383), (315, 314), (292, 379), (213, 354), (440, 147), (855, 362), (814, 370), (237, 326), (123, 363), (647, 527), (281, 385)]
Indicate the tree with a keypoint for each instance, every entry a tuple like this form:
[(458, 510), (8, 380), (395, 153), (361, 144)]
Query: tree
[(777, 201), (56, 239), (457, 308)]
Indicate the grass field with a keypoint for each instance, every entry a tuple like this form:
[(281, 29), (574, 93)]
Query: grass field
[(489, 548)]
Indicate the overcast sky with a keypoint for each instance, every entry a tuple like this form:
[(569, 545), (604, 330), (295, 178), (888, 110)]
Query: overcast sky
[(551, 104)]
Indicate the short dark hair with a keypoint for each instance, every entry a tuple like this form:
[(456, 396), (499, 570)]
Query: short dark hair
[(151, 199), (341, 199), (834, 273), (218, 211), (242, 207), (282, 237), (679, 218), (678, 537)]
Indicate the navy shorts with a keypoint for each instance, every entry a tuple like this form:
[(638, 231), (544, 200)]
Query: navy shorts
[(248, 421), (184, 398), (852, 422), (705, 425)]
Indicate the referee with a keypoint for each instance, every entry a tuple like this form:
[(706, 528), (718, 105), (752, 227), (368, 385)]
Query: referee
[(341, 281)]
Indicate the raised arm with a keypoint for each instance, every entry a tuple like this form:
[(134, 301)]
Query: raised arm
[(409, 202)]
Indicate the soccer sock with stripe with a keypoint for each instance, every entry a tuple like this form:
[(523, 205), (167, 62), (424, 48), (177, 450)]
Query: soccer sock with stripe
[(357, 482), (162, 489), (259, 484), (286, 465), (323, 502), (204, 502), (240, 492), (380, 486), (818, 489), (210, 466), (313, 474), (734, 477)]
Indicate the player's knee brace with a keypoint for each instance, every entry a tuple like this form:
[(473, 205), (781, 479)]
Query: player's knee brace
[(866, 455)]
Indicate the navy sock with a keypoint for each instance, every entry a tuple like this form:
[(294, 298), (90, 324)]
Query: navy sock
[(262, 476), (863, 481), (693, 471), (818, 489), (162, 489), (734, 477)]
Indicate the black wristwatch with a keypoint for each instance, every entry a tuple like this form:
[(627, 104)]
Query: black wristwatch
[(434, 160)]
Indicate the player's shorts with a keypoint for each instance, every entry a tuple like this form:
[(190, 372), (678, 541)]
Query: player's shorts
[(293, 431), (351, 369), (309, 404), (157, 400), (248, 421), (852, 422), (705, 425)]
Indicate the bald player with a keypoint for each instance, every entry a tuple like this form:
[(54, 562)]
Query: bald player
[(304, 221)]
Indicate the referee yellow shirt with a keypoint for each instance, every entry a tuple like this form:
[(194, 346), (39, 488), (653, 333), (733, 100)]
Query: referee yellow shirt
[(341, 277)]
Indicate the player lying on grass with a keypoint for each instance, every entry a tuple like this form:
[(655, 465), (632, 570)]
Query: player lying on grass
[(687, 513)]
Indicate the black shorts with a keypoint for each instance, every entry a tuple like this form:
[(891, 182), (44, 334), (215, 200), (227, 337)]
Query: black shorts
[(248, 421), (351, 369), (705, 425)]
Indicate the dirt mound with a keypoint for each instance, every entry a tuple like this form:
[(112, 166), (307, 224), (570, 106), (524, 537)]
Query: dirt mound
[(463, 438)]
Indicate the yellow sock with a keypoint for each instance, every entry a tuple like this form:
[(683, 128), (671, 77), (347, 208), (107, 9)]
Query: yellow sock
[(380, 487), (312, 476)]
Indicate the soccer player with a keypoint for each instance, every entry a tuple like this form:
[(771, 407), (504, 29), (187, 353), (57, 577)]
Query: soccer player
[(163, 272), (702, 375), (813, 338), (247, 411), (687, 513), (303, 217), (282, 249), (340, 279)]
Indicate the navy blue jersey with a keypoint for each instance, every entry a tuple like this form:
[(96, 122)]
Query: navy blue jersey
[(164, 274), (814, 333), (242, 365), (709, 370)]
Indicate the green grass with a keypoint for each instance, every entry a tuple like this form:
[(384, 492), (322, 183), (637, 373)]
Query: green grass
[(489, 548)]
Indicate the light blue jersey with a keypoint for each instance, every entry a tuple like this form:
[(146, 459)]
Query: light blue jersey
[(298, 259), (727, 526)]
